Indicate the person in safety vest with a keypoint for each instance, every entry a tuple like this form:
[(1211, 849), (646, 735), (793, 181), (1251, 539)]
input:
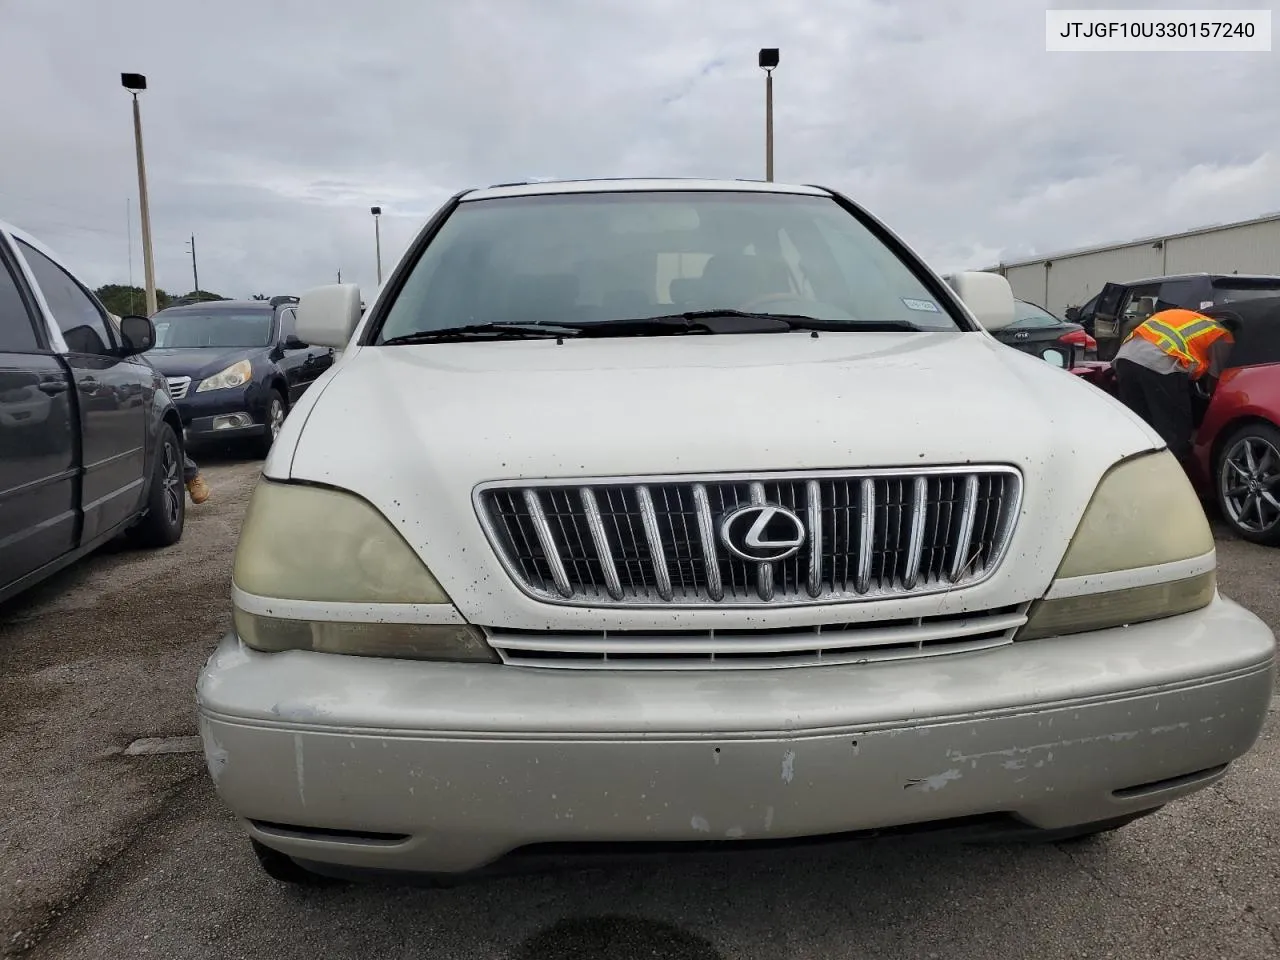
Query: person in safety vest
[(1157, 363)]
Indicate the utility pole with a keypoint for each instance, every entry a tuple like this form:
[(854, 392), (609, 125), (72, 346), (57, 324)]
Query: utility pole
[(339, 274), (768, 61), (195, 276), (135, 83)]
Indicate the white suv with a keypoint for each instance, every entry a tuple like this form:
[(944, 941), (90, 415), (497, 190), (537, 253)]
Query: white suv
[(705, 511)]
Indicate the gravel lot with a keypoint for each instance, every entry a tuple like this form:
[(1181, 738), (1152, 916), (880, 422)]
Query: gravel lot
[(108, 855)]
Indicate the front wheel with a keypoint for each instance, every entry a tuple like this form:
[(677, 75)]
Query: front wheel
[(1247, 476), (275, 420), (285, 869), (167, 497)]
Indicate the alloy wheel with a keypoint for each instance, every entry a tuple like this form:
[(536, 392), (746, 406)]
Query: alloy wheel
[(1250, 483), (171, 482), (277, 418)]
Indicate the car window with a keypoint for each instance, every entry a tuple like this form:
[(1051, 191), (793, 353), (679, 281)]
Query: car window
[(1227, 291), (1140, 302), (214, 328), (1027, 316), (594, 257), (1177, 293), (17, 334), (288, 324), (83, 325)]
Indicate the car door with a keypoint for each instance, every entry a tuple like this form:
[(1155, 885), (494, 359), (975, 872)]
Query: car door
[(289, 356), (1106, 324), (37, 438), (307, 361), (113, 429)]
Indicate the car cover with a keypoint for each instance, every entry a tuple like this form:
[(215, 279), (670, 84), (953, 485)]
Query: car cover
[(1255, 325)]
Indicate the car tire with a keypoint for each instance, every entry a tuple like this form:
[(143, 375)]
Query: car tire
[(277, 409), (166, 507), (282, 867), (1247, 467)]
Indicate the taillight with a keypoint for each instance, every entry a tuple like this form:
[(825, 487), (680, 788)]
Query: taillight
[(1078, 338)]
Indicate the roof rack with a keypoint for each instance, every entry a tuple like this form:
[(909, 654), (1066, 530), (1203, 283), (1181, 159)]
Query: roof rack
[(276, 301)]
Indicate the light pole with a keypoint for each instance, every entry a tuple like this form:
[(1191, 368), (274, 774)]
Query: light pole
[(135, 83), (377, 238), (768, 60)]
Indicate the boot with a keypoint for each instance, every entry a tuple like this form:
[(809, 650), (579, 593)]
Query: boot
[(198, 489)]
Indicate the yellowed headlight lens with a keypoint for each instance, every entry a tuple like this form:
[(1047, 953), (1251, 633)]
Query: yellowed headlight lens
[(1099, 611), (312, 543), (1143, 513), (407, 641)]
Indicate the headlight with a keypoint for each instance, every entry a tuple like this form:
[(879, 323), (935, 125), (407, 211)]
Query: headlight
[(312, 567), (238, 374), (1143, 551)]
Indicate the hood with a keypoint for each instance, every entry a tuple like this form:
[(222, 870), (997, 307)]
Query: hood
[(419, 427), (198, 362)]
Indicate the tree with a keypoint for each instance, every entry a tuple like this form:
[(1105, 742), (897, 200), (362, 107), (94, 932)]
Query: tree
[(124, 300), (259, 296)]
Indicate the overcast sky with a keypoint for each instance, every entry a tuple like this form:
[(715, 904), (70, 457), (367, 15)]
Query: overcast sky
[(271, 126)]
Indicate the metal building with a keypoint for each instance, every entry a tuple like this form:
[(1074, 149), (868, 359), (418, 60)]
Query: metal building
[(1071, 278)]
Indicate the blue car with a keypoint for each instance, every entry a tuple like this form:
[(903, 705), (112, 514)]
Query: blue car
[(235, 367)]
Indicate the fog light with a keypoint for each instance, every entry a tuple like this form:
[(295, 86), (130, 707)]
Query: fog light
[(232, 421)]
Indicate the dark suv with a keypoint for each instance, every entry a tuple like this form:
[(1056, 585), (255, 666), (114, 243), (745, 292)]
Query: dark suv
[(1113, 313), (89, 439), (235, 367)]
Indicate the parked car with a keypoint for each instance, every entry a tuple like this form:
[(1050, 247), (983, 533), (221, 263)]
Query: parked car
[(1236, 453), (235, 367), (1038, 332), (90, 443), (677, 511), (1111, 315)]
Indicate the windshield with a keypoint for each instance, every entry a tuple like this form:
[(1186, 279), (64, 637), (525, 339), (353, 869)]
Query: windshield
[(1029, 316), (217, 328), (609, 256)]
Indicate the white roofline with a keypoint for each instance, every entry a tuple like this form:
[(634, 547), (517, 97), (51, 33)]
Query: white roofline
[(1106, 247), (634, 185)]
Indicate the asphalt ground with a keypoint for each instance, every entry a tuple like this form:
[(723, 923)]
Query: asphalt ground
[(104, 854)]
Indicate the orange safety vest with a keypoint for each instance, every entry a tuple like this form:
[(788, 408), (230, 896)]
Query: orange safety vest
[(1184, 335)]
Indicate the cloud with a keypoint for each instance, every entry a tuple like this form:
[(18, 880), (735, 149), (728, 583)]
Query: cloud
[(272, 128)]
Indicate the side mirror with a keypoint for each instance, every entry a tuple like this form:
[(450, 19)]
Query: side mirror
[(138, 333), (987, 295), (291, 342), (1072, 315), (327, 316)]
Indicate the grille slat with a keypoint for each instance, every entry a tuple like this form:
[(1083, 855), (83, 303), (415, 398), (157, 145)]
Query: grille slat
[(600, 540), (960, 565), (178, 387), (823, 644), (868, 536)]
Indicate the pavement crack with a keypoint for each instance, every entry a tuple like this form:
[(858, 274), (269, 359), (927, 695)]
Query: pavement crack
[(55, 913)]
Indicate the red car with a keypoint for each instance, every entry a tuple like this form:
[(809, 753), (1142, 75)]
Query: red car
[(1236, 453)]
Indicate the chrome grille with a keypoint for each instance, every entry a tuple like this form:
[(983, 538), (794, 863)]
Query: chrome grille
[(178, 386), (835, 643), (657, 541)]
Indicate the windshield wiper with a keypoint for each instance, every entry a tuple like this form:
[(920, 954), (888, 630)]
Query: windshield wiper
[(690, 322), (693, 321), (733, 321), (481, 331)]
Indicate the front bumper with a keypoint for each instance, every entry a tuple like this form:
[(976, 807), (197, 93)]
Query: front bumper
[(199, 411), (447, 767)]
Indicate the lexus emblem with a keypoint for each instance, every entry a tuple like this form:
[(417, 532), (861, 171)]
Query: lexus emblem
[(762, 533)]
